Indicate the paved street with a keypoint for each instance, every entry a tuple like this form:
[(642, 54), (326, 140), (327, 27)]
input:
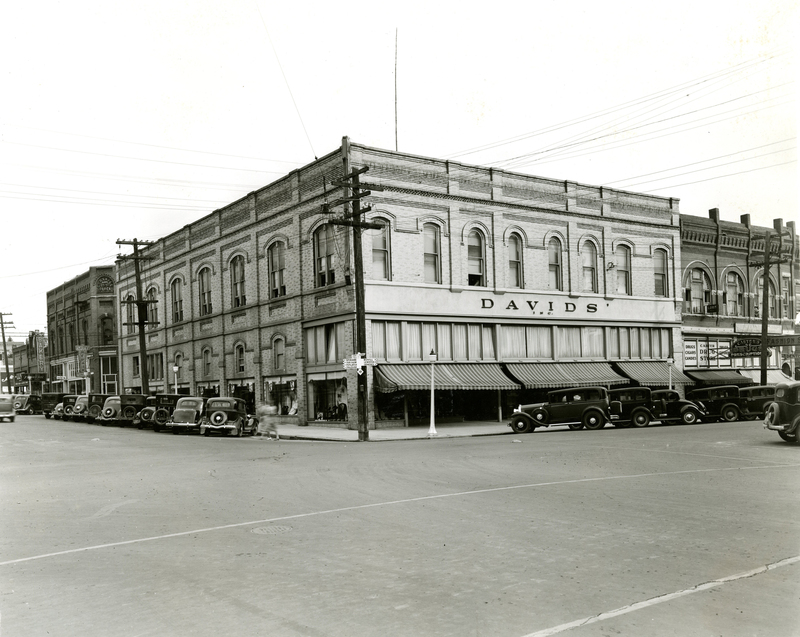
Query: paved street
[(682, 530)]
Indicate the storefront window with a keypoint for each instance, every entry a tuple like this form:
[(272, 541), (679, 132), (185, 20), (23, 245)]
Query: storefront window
[(282, 393), (327, 396)]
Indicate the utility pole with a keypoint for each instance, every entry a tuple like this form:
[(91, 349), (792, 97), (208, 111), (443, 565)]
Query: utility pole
[(141, 308), (353, 194), (5, 348)]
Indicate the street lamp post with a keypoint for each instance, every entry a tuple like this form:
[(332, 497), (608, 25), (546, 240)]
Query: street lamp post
[(432, 429), (669, 366), (175, 369)]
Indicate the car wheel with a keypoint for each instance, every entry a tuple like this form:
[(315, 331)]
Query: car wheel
[(520, 425), (47, 416), (541, 416), (730, 414), (641, 419), (239, 428), (789, 437), (689, 417), (575, 426), (161, 416), (593, 420)]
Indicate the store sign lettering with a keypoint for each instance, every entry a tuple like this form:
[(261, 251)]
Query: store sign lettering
[(548, 306)]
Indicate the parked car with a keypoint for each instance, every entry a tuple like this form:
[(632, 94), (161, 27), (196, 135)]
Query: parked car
[(28, 404), (110, 411), (720, 403), (129, 406), (145, 416), (49, 401), (58, 411), (7, 411), (188, 414), (578, 407), (636, 404), (166, 404), (80, 410), (783, 413), (669, 407), (96, 402), (228, 416), (755, 400), (68, 404)]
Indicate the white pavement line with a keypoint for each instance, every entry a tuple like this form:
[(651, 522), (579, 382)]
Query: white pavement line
[(662, 598), (380, 504)]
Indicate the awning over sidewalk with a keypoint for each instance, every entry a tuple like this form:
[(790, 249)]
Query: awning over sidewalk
[(720, 377), (390, 378), (774, 376), (653, 374), (534, 375)]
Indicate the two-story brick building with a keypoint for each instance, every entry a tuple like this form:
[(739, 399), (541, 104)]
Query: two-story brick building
[(517, 283), (81, 326), (722, 284)]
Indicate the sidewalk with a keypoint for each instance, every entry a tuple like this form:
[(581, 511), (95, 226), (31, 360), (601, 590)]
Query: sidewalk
[(449, 430)]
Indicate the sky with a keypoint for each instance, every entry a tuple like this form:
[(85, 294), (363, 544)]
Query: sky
[(131, 120)]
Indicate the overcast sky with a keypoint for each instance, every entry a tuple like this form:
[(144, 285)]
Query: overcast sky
[(123, 120)]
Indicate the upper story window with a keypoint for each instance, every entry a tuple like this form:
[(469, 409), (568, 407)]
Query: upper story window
[(176, 291), (476, 271), (238, 298), (589, 260), (785, 297), (432, 249), (324, 256), (206, 362), (773, 306), (660, 273), (698, 292), (130, 314), (623, 262), (277, 269), (179, 365), (514, 261), (61, 349), (554, 279), (381, 262), (204, 286), (279, 354), (107, 329), (152, 308), (239, 358), (734, 294), (71, 334)]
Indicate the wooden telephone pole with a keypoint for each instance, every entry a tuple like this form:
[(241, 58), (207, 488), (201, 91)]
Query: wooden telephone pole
[(141, 308), (5, 349)]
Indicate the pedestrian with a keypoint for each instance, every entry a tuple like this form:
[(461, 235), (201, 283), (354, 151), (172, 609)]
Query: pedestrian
[(267, 421)]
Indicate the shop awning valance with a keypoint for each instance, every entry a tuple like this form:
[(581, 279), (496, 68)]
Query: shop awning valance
[(389, 378), (774, 376), (534, 375), (720, 377), (653, 374)]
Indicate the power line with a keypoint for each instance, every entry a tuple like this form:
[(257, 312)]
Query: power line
[(793, 161), (97, 192)]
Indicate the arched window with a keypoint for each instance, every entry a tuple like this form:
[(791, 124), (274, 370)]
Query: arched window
[(554, 279), (514, 261), (107, 327), (152, 309), (381, 262), (773, 307), (278, 354), (277, 268), (238, 297), (623, 262), (476, 272), (660, 273), (130, 314), (734, 294), (206, 362), (204, 285), (239, 358), (324, 256), (179, 365), (589, 260), (698, 292), (432, 250), (176, 290)]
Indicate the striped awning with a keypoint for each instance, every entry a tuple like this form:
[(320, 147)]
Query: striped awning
[(389, 378), (720, 377), (652, 374), (774, 376), (534, 375)]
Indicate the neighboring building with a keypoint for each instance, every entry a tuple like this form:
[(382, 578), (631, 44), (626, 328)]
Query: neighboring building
[(30, 364), (722, 283), (518, 283), (81, 324), (7, 366)]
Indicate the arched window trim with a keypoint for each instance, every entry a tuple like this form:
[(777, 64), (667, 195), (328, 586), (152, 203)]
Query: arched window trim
[(239, 351), (152, 307), (734, 299), (476, 258), (694, 289), (383, 253), (623, 260), (238, 274), (555, 269), (324, 264), (276, 276), (205, 298), (590, 269), (516, 267), (278, 353), (661, 279), (432, 261), (176, 300)]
